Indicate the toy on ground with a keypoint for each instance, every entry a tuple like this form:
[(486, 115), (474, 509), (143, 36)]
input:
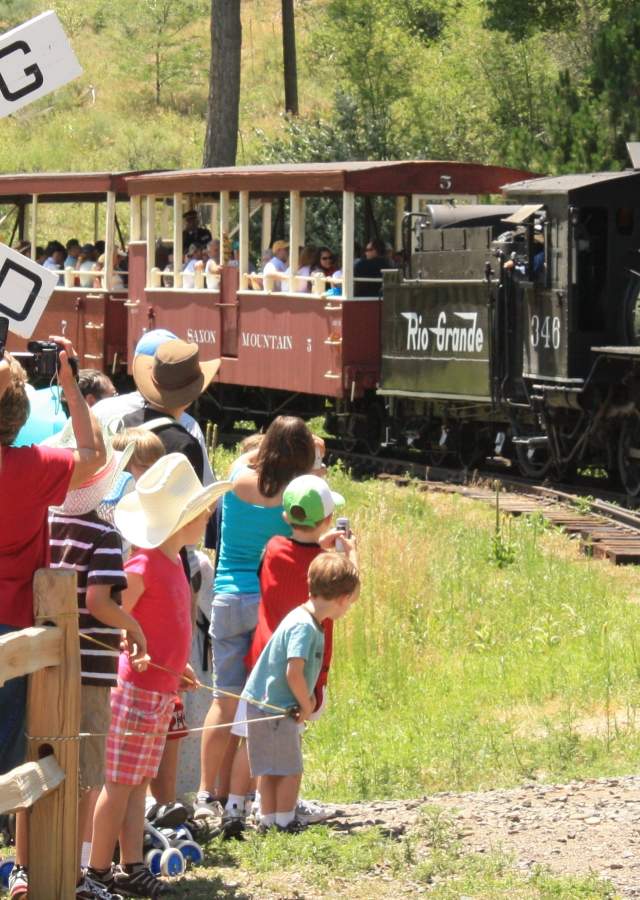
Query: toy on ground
[(170, 849)]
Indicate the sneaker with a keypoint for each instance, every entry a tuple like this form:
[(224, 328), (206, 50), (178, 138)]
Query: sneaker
[(167, 815), (206, 806), (294, 827), (139, 882), (88, 889), (232, 825), (309, 813), (102, 877), (263, 829), (18, 882)]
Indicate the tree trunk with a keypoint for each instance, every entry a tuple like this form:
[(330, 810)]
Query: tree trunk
[(289, 57), (221, 140)]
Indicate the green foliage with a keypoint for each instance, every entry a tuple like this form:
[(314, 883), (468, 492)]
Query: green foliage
[(522, 18)]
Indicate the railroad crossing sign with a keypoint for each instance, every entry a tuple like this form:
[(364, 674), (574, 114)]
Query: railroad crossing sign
[(25, 288), (35, 59)]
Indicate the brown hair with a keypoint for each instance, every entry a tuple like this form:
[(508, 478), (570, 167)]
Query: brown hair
[(332, 575), (14, 403), (148, 446), (286, 451), (250, 442)]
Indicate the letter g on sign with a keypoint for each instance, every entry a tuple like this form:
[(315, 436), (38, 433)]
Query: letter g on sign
[(33, 71)]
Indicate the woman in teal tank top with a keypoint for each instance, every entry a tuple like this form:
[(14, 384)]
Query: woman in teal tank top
[(251, 515)]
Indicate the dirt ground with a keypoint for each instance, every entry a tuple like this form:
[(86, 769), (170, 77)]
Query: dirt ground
[(578, 828)]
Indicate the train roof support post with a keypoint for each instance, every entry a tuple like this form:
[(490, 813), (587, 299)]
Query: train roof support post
[(151, 235), (178, 249), (109, 241), (267, 208), (224, 222), (33, 230), (295, 222), (348, 219), (135, 219), (243, 232), (400, 208)]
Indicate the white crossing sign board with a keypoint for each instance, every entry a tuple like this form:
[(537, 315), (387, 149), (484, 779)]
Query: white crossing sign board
[(25, 288), (35, 59)]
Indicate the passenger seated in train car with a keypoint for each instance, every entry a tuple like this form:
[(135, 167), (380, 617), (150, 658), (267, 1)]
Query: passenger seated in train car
[(86, 262), (370, 266), (212, 251), (73, 252), (41, 254), (192, 257), (24, 247), (100, 247), (277, 263), (307, 263), (54, 258), (193, 232), (167, 273), (326, 261)]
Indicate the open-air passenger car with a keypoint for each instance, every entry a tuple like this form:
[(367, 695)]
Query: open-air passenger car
[(315, 352)]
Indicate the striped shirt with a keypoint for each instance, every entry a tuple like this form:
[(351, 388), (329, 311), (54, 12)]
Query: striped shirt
[(93, 548)]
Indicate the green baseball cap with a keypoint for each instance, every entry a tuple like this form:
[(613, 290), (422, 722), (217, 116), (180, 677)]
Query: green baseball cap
[(307, 500)]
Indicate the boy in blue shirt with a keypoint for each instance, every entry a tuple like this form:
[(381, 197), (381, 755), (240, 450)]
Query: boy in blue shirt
[(285, 676)]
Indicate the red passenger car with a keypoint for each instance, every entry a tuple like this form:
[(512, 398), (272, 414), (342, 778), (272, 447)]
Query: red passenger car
[(309, 352), (88, 308)]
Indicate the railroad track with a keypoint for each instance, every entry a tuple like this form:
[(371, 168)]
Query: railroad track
[(596, 516), (605, 529)]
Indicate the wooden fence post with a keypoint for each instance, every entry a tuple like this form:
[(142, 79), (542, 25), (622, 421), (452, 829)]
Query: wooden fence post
[(53, 709)]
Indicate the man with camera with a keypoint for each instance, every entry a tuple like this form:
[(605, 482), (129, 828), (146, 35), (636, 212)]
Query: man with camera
[(32, 479)]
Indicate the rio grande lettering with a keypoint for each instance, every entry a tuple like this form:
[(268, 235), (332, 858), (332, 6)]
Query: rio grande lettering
[(443, 337), (262, 341)]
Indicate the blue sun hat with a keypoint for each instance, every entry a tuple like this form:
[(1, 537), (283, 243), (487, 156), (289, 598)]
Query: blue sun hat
[(151, 340)]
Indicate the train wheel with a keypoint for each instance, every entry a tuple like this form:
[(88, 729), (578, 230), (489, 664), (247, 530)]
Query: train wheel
[(534, 462), (629, 456)]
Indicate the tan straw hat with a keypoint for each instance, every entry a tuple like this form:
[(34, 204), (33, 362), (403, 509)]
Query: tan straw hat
[(167, 496), (174, 375)]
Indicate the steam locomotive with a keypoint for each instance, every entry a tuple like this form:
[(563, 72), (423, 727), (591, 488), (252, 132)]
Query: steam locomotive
[(521, 335)]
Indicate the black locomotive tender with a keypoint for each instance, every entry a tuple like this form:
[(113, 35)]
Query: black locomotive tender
[(516, 329)]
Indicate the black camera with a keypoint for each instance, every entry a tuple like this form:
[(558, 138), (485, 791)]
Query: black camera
[(43, 359), (4, 329)]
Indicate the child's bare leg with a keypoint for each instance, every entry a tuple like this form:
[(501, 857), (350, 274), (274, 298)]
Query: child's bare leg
[(22, 838), (268, 791), (85, 810), (111, 809), (163, 786), (287, 793), (240, 781), (132, 831), (215, 755)]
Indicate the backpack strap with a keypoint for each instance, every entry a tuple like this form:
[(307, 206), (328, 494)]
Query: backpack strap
[(161, 422)]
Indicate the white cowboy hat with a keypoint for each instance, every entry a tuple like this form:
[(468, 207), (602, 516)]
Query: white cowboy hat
[(87, 496), (167, 496)]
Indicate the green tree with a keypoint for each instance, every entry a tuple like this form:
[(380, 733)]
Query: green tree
[(162, 41)]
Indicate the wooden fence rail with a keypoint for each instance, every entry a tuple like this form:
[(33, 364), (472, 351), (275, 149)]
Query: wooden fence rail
[(48, 783)]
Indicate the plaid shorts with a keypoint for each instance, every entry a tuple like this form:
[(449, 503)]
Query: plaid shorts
[(133, 758), (178, 724)]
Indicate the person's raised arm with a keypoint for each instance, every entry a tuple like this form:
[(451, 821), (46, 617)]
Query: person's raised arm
[(90, 455)]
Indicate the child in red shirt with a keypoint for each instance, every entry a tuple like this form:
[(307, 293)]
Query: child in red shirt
[(309, 505), (168, 509)]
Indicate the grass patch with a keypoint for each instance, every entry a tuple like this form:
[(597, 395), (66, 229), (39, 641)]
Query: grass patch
[(462, 669), (321, 863)]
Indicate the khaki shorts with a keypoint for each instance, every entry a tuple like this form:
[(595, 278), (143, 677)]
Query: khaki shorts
[(95, 717), (273, 745)]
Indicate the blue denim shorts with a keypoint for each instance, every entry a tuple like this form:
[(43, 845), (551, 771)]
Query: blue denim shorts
[(13, 716), (233, 620)]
